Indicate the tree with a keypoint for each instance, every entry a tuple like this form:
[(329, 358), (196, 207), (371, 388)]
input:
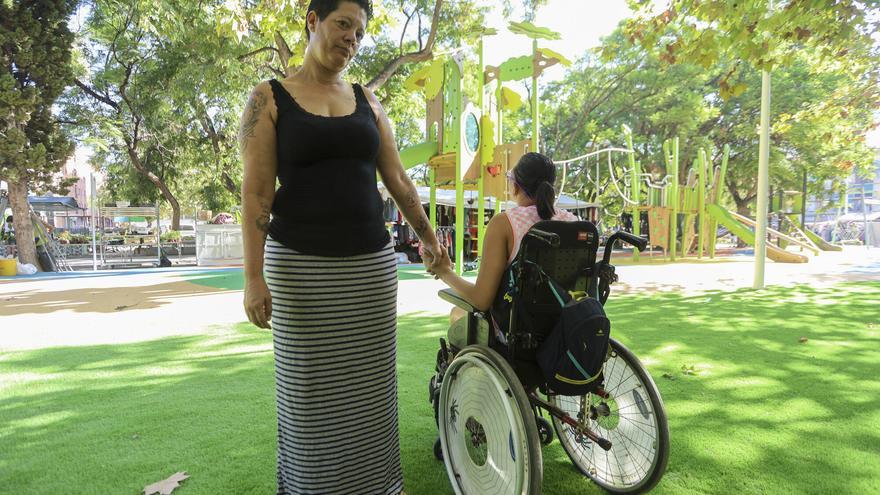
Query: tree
[(827, 45), (820, 123), (765, 36), (35, 51), (124, 96), (167, 83)]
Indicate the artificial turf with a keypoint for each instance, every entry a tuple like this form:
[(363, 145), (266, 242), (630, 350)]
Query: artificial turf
[(751, 408)]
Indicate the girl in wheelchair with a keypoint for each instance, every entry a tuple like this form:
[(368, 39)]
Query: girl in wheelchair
[(531, 187), (491, 398)]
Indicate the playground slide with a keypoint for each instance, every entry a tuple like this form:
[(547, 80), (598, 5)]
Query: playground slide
[(740, 230), (818, 241), (418, 154)]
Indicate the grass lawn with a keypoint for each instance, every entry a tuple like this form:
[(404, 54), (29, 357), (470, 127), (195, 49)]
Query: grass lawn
[(761, 412)]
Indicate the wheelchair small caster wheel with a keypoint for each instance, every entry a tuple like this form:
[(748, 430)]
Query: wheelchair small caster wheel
[(545, 431), (438, 450)]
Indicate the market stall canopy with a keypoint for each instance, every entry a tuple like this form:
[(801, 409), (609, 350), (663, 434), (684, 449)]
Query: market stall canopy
[(446, 197), (53, 204)]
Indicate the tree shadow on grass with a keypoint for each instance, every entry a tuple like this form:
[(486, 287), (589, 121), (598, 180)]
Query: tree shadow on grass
[(761, 412), (114, 418)]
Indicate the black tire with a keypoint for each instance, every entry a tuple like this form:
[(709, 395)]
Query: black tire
[(660, 425), (545, 430), (438, 450)]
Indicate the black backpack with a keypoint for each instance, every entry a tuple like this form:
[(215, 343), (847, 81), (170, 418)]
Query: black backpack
[(573, 355)]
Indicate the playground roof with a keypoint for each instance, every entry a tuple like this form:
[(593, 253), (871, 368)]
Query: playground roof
[(53, 203)]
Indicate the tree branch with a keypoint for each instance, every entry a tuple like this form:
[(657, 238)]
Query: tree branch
[(242, 58), (423, 54), (279, 74), (94, 94), (283, 51), (403, 33)]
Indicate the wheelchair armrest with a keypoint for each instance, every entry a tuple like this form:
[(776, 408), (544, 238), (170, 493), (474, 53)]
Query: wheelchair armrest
[(451, 296)]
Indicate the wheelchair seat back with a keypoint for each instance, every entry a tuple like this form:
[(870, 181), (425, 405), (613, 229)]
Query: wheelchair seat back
[(562, 251)]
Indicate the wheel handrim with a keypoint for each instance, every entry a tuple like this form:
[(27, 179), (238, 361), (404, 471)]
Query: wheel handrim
[(480, 409), (631, 425)]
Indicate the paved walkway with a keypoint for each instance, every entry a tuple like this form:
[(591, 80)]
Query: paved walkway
[(115, 307)]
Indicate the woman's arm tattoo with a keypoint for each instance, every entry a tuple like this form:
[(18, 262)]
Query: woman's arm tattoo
[(422, 227), (263, 219), (412, 199), (252, 110)]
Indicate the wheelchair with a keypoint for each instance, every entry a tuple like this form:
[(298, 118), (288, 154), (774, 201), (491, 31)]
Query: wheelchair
[(488, 392)]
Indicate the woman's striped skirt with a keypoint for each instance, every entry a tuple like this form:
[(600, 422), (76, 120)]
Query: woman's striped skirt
[(334, 323)]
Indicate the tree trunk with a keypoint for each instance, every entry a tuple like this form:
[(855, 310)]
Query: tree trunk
[(155, 179), (225, 177), (24, 228)]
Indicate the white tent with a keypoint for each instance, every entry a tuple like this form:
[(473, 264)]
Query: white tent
[(446, 197)]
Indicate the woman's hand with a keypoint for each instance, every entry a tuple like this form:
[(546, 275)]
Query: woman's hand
[(441, 264), (258, 302), (427, 252)]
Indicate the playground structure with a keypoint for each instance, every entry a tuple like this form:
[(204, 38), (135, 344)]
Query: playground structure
[(464, 147), (696, 208), (465, 151)]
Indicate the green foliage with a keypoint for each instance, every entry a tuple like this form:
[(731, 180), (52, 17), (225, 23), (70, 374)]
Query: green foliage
[(761, 33), (186, 68), (35, 54), (820, 117)]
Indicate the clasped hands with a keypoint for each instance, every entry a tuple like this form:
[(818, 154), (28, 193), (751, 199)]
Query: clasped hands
[(436, 260)]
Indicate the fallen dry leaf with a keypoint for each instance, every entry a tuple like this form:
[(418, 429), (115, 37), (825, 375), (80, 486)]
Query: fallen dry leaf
[(166, 486)]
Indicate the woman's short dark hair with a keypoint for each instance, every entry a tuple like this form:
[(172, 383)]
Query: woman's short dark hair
[(535, 174), (323, 8)]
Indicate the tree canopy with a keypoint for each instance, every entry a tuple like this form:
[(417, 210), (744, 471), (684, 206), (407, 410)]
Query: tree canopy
[(159, 86)]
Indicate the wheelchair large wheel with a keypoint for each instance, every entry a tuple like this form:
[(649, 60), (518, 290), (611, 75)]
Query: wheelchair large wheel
[(632, 417), (487, 427)]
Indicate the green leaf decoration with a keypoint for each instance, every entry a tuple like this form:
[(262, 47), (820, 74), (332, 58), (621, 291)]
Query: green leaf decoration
[(534, 32), (416, 82), (484, 31), (558, 56), (510, 99)]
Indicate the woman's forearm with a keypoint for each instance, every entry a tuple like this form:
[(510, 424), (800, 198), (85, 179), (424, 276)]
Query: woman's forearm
[(407, 198), (255, 228)]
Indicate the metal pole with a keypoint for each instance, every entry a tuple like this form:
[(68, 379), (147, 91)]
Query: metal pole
[(481, 207), (804, 203), (763, 183), (865, 215), (158, 239), (459, 172), (535, 110), (94, 221)]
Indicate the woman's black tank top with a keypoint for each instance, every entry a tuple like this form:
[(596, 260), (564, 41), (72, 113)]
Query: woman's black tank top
[(328, 203)]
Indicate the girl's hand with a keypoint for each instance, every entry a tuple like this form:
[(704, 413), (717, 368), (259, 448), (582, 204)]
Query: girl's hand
[(442, 264)]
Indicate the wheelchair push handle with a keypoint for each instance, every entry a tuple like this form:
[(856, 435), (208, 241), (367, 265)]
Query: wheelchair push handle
[(626, 237), (548, 238)]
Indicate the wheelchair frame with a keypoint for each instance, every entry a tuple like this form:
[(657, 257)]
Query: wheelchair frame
[(566, 252)]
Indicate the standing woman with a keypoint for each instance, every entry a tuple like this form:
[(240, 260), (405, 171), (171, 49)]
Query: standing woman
[(330, 284)]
